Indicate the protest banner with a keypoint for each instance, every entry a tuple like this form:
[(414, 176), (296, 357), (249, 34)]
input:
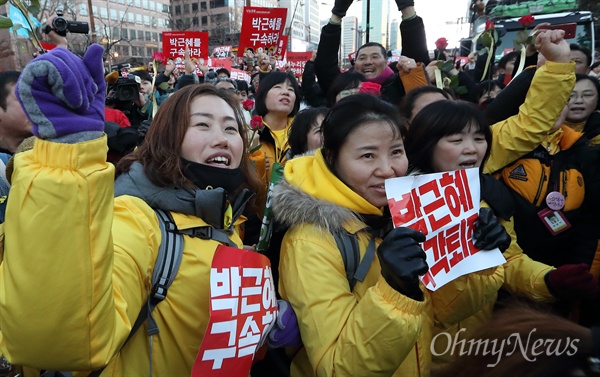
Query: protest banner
[(219, 63), (297, 61), (238, 74), (444, 207), (243, 308), (174, 43), (221, 52), (262, 29), (281, 47)]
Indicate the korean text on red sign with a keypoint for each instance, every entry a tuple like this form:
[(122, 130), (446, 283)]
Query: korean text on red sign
[(297, 61), (262, 29), (243, 308), (174, 43), (444, 207)]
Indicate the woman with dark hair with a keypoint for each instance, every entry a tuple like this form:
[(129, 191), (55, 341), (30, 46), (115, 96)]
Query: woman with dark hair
[(305, 131), (277, 101), (415, 100), (345, 84), (453, 135), (95, 254), (379, 322), (584, 107)]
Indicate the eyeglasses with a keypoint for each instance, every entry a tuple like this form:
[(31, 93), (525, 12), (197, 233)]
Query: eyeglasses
[(348, 92), (584, 96)]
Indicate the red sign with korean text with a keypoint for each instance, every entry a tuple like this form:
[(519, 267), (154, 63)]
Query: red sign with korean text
[(243, 308), (221, 52), (281, 47), (174, 43), (297, 61), (219, 63), (262, 29), (444, 207), (238, 74)]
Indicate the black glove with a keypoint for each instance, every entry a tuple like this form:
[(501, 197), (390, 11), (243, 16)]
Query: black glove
[(404, 3), (489, 233), (403, 260), (340, 7)]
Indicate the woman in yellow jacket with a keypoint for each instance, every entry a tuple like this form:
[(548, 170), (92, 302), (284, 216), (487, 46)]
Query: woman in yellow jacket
[(453, 135), (382, 326), (77, 262), (277, 102)]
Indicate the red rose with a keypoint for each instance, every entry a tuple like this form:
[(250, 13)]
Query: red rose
[(441, 43), (489, 25), (526, 21), (248, 105), (158, 57), (370, 88), (256, 123)]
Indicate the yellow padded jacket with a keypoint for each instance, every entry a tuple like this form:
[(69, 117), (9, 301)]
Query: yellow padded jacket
[(77, 268), (372, 330)]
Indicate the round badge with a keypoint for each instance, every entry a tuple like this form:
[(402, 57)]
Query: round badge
[(555, 200)]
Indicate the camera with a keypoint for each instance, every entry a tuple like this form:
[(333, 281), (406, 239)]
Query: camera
[(61, 26), (127, 88)]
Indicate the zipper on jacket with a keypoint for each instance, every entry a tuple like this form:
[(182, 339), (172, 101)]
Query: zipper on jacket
[(539, 190)]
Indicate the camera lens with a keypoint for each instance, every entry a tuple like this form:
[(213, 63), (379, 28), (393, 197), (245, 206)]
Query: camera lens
[(128, 93), (60, 24)]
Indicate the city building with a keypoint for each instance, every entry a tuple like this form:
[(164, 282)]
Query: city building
[(395, 35), (302, 24), (378, 19), (129, 30), (349, 40)]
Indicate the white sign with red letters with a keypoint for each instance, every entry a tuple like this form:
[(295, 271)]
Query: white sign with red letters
[(444, 207), (243, 308)]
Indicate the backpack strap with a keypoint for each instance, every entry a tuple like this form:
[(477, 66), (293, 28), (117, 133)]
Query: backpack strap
[(356, 269)]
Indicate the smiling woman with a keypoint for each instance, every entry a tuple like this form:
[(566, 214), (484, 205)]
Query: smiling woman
[(193, 166), (351, 327), (277, 101)]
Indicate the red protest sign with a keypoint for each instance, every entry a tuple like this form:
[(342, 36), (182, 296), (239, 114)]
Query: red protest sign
[(444, 207), (261, 29), (221, 52), (243, 307), (281, 47), (219, 63), (174, 43), (238, 74), (297, 61)]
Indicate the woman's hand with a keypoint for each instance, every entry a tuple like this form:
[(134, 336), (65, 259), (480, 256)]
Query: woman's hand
[(63, 95)]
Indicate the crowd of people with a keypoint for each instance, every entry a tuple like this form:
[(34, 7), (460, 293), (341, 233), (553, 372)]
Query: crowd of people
[(297, 173)]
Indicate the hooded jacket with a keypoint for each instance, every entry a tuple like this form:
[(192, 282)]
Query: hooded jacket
[(78, 265), (372, 329)]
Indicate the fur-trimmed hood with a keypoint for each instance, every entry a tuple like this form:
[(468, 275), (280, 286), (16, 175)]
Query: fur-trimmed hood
[(293, 206)]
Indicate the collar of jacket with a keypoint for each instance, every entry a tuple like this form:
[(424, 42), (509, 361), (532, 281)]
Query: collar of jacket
[(311, 193), (209, 205), (383, 76)]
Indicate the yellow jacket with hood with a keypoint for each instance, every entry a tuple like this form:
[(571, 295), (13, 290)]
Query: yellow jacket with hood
[(78, 263), (372, 330)]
